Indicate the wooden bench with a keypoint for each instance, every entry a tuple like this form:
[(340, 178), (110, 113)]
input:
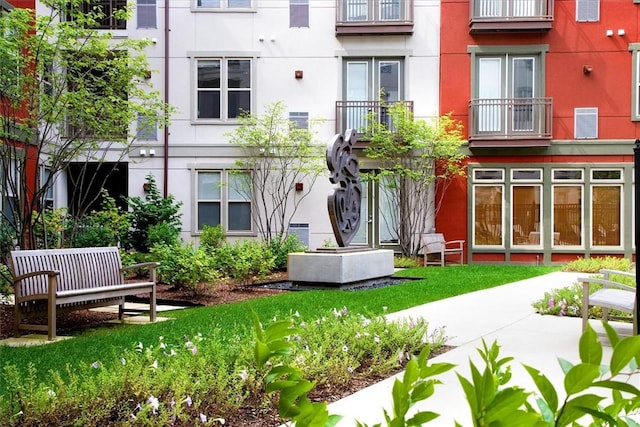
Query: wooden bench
[(612, 295), (434, 244), (52, 281)]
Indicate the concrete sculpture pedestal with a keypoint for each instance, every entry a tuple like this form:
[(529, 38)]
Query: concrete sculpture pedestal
[(336, 267)]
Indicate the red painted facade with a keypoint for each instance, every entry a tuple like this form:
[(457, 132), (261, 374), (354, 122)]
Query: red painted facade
[(572, 47)]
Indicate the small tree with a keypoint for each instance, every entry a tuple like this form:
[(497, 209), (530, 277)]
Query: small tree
[(68, 93), (277, 155), (154, 216), (416, 163)]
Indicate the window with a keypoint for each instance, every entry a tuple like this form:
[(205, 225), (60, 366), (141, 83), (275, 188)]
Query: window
[(223, 88), (635, 81), (587, 10), (526, 207), (299, 119), (10, 192), (372, 10), (146, 10), (93, 81), (108, 11), (488, 207), (224, 4), (586, 123), (368, 83), (567, 200), (606, 207), (298, 13), (224, 199), (147, 128)]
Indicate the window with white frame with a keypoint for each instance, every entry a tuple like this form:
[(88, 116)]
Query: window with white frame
[(10, 192), (606, 207), (224, 4), (587, 10), (488, 207), (146, 11), (223, 87), (526, 207), (586, 123), (223, 198), (567, 206), (298, 13)]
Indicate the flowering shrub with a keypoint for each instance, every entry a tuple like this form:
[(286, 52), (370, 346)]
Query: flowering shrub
[(198, 378)]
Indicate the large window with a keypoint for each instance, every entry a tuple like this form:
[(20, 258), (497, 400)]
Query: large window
[(606, 205), (223, 88), (223, 199), (488, 207), (526, 217), (567, 202)]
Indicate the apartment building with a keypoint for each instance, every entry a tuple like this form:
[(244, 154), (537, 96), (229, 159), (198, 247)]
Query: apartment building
[(548, 92), (324, 59)]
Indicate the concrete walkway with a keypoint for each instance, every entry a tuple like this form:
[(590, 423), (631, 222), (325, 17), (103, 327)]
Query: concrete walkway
[(504, 314)]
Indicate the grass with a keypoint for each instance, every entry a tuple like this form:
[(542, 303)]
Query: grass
[(227, 322)]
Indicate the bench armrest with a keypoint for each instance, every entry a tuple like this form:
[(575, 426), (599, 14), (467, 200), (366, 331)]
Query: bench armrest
[(52, 285), (150, 265), (586, 281)]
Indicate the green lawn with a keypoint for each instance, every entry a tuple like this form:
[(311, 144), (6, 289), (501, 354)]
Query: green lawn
[(233, 320)]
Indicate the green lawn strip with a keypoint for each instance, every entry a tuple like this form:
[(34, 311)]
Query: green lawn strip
[(227, 322)]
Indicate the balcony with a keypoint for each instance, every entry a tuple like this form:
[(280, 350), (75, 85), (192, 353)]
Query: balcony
[(374, 17), (355, 115), (511, 122), (510, 15)]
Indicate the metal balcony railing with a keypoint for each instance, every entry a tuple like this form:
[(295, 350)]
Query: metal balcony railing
[(374, 16), (510, 118), (355, 114), (492, 15)]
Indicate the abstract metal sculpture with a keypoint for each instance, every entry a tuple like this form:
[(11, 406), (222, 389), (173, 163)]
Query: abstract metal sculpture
[(345, 199)]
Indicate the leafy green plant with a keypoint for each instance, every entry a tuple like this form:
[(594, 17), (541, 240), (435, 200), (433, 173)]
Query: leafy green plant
[(405, 262), (212, 237), (6, 286), (492, 399), (163, 234), (243, 260), (595, 264), (153, 210), (281, 247), (271, 344), (184, 266)]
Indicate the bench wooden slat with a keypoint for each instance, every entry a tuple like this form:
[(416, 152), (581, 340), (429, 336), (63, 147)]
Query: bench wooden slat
[(51, 280)]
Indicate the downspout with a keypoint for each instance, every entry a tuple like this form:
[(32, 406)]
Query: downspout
[(165, 191)]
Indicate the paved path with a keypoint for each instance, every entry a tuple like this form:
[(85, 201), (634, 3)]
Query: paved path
[(504, 314)]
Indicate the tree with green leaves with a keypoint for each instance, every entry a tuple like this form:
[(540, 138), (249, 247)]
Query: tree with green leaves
[(69, 93), (277, 154), (415, 162)]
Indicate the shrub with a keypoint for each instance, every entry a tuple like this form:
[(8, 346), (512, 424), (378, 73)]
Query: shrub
[(162, 234), (281, 247), (153, 210), (6, 287), (184, 266), (212, 237), (595, 264), (243, 261), (406, 262)]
